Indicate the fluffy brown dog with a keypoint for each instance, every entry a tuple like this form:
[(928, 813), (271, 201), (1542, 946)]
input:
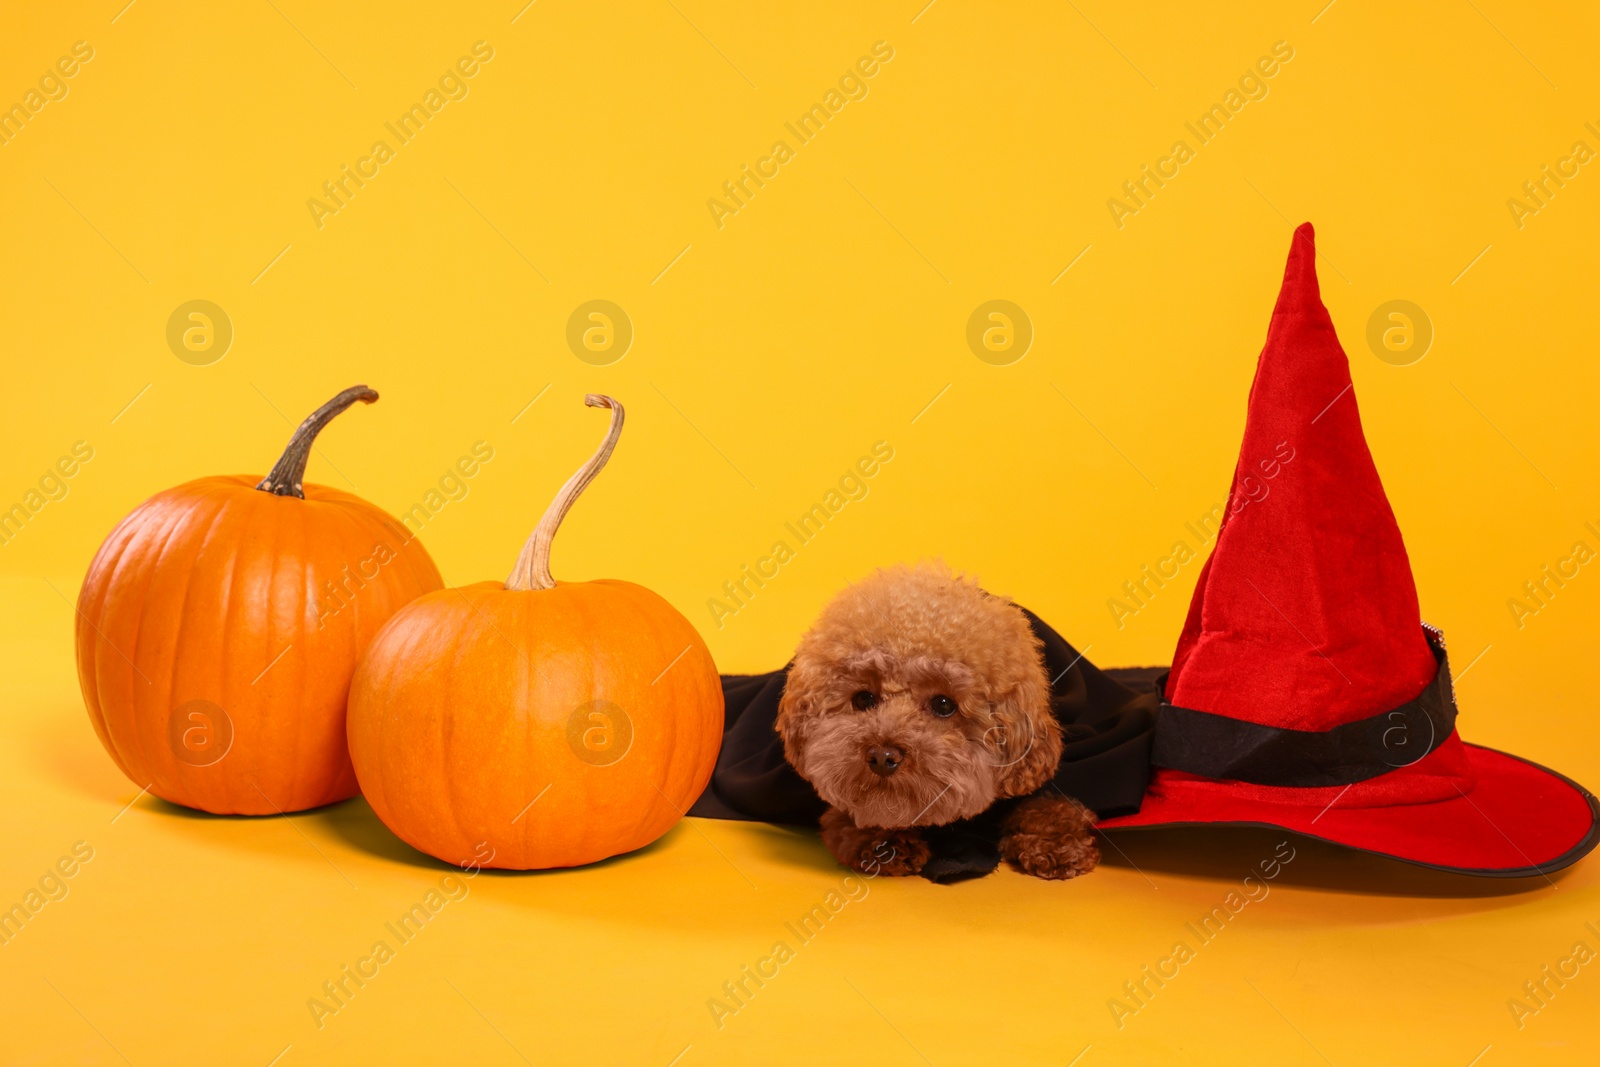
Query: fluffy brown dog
[(917, 699)]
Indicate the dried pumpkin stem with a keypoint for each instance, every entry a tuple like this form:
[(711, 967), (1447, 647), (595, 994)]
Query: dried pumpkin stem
[(533, 565), (288, 475)]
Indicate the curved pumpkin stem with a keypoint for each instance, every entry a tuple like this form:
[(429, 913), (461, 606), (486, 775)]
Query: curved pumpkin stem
[(287, 476), (532, 570)]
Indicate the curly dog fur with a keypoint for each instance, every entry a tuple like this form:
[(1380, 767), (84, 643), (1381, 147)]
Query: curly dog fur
[(918, 699)]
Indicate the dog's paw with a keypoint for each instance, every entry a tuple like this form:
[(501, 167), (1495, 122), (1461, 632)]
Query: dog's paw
[(873, 850), (1045, 857), (1050, 837), (893, 852)]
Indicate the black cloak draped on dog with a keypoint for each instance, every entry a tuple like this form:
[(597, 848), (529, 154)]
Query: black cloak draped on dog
[(1106, 722)]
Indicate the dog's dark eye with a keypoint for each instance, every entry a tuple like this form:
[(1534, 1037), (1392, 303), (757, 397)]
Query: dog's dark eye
[(864, 699), (942, 706)]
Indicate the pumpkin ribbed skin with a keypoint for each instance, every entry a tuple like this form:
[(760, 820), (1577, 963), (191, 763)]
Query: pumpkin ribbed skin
[(195, 595), (472, 722)]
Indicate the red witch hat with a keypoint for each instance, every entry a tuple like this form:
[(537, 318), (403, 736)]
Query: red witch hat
[(1306, 692)]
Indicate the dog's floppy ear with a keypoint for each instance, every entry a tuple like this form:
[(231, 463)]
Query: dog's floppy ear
[(800, 704), (1025, 739)]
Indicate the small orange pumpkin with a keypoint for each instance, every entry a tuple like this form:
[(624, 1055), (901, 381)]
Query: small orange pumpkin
[(220, 623), (540, 723)]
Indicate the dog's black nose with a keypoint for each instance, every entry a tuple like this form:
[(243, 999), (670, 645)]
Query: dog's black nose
[(885, 759)]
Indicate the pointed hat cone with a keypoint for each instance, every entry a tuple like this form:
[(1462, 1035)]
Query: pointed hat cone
[(1306, 616)]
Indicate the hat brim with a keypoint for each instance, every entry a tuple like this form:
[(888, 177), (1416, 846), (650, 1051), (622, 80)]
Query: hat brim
[(1519, 820)]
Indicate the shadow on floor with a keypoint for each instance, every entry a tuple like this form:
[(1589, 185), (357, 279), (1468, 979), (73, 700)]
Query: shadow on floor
[(355, 823), (1228, 853), (791, 846)]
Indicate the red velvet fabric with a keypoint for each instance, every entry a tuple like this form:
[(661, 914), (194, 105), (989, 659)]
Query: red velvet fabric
[(1306, 617), (1517, 816), (1306, 614)]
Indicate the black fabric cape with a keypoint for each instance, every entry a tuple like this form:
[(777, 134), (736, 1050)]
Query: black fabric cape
[(1107, 719)]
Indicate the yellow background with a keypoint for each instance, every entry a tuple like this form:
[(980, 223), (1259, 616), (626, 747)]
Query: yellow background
[(774, 351)]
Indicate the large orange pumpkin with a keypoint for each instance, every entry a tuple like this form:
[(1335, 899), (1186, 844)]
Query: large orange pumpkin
[(221, 621), (536, 723)]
